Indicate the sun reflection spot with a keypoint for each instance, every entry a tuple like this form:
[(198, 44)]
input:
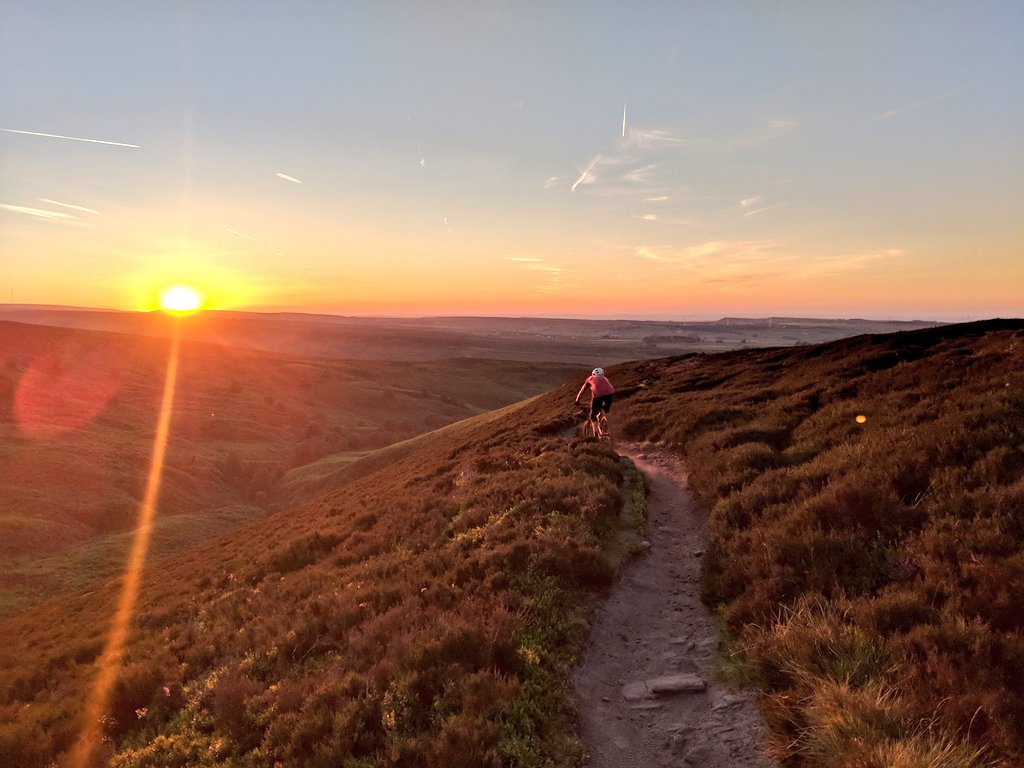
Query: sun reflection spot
[(180, 300)]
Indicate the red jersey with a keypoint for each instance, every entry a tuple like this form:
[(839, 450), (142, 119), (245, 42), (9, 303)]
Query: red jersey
[(600, 386)]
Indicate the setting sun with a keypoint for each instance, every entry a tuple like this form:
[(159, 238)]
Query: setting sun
[(180, 299)]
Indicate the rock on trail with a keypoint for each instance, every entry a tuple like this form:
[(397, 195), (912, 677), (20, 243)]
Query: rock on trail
[(646, 689)]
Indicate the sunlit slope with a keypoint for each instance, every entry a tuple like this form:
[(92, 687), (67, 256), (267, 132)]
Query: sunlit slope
[(421, 614), (871, 567), (79, 413)]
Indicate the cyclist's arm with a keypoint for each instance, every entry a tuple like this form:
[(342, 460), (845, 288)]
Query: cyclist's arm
[(580, 393)]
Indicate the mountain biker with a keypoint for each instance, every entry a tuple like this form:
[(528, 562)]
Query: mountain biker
[(601, 391)]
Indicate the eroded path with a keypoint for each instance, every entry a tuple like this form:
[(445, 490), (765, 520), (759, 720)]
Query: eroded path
[(646, 690)]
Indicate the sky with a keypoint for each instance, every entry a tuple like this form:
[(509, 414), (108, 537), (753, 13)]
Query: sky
[(627, 159)]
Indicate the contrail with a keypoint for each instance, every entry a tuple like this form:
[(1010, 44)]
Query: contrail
[(623, 118), (586, 173), (240, 234), (71, 138), (67, 205), (286, 177), (37, 212)]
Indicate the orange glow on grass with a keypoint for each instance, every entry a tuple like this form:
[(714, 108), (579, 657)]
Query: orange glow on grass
[(85, 752), (180, 300)]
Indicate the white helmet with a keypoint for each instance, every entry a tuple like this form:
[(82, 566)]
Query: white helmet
[(598, 371)]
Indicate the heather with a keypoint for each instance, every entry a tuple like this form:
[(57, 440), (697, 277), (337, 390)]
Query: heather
[(866, 502), (423, 614)]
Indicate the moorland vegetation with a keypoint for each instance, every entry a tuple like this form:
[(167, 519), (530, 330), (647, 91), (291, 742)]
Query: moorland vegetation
[(423, 614), (866, 502), (78, 411)]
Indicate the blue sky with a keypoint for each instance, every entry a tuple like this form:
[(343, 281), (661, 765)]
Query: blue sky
[(788, 158)]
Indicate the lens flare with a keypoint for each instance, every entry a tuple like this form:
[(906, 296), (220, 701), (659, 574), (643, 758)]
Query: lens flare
[(180, 300), (86, 753), (861, 418)]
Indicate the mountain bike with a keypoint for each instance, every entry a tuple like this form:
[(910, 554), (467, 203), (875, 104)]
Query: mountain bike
[(596, 426)]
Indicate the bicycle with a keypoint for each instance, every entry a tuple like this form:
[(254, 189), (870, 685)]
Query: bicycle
[(597, 426)]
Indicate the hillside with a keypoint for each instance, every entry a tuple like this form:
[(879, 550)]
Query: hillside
[(422, 614), (427, 608), (866, 506), (78, 417)]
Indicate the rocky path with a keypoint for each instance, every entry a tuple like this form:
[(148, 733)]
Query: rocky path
[(646, 690)]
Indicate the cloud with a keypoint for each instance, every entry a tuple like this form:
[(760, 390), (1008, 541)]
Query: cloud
[(648, 217), (54, 216), (916, 105), (641, 175), (713, 254), (751, 201), (240, 234), (552, 181), (67, 205), (648, 253), (824, 265), (656, 199), (587, 177), (762, 210), (524, 259), (286, 177)]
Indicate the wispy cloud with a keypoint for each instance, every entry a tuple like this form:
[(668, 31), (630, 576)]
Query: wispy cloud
[(587, 177), (641, 175), (656, 199), (747, 202), (55, 216), (524, 259), (848, 261), (916, 105), (716, 254), (81, 208), (756, 211), (70, 138), (286, 177), (552, 181), (648, 138), (648, 217), (240, 234)]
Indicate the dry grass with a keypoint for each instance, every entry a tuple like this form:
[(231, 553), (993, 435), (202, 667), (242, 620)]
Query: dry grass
[(423, 613), (246, 424), (870, 566), (427, 609)]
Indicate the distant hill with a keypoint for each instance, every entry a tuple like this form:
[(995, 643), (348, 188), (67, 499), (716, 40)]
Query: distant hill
[(584, 342), (79, 414), (425, 610)]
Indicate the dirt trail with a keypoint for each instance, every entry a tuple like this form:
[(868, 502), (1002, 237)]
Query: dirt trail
[(652, 640)]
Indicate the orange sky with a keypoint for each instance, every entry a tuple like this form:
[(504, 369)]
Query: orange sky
[(668, 161)]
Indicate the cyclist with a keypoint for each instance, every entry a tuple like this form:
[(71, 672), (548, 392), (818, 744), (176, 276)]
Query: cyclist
[(601, 391)]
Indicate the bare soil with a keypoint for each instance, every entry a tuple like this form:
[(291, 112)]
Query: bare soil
[(653, 641)]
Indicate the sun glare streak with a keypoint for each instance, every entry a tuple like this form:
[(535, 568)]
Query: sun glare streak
[(84, 753)]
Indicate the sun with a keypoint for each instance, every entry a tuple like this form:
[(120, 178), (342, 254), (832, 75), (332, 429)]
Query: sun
[(180, 300)]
